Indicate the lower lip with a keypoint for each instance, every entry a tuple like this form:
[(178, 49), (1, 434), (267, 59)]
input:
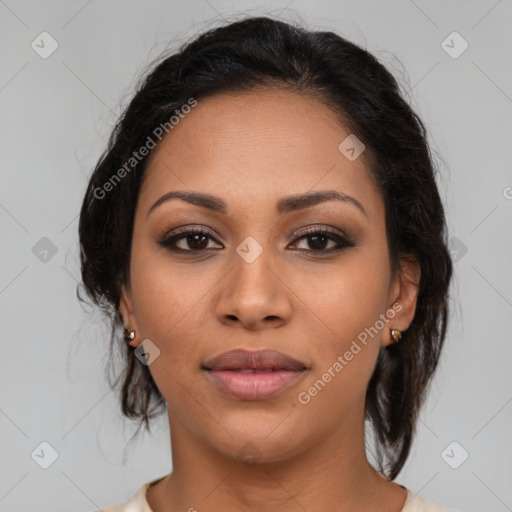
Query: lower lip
[(254, 386)]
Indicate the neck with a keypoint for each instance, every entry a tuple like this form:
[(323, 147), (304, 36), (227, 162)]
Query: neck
[(331, 473)]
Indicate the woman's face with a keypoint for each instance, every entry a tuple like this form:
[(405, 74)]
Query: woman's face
[(253, 280)]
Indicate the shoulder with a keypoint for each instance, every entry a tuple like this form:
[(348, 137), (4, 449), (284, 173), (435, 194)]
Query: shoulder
[(120, 507), (417, 503), (131, 505), (137, 503)]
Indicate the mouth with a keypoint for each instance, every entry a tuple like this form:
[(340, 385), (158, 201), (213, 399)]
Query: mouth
[(250, 375)]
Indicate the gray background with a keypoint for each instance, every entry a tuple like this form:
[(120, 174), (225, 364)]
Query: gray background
[(56, 115)]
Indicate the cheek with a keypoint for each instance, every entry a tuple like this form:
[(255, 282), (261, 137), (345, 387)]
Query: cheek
[(167, 304), (345, 307), (345, 360), (347, 298), (165, 299)]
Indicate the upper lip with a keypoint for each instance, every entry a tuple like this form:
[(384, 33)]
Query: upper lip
[(240, 359)]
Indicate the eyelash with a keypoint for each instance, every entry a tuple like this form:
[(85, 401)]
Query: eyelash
[(343, 242)]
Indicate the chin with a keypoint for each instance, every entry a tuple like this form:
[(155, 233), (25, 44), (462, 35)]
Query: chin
[(257, 441)]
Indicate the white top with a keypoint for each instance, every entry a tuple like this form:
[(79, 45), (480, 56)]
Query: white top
[(138, 503)]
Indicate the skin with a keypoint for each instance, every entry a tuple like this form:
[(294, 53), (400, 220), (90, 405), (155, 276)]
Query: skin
[(252, 149)]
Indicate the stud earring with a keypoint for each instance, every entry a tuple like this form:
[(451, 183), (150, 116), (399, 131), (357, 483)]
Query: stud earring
[(396, 335), (128, 335)]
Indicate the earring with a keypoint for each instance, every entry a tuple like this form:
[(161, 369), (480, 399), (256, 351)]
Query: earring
[(396, 335), (128, 335)]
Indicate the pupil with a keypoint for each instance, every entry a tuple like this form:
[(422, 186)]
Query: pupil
[(194, 240), (322, 244)]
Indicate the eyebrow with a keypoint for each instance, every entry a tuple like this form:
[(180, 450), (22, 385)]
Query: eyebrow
[(284, 205)]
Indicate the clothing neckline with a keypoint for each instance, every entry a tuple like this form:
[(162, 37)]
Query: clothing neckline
[(144, 505)]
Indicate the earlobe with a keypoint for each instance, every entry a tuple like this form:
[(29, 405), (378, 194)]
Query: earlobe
[(403, 297)]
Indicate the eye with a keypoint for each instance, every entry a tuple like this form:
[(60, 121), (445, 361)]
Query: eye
[(317, 239), (195, 239)]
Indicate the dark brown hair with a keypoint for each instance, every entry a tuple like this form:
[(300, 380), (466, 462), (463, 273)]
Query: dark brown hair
[(264, 52)]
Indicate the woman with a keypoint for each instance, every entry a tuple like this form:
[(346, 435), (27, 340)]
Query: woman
[(266, 228)]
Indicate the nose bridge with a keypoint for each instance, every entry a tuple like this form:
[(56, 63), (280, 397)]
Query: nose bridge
[(253, 293), (251, 267), (251, 270)]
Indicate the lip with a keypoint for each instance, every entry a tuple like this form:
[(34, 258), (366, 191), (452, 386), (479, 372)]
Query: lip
[(249, 375), (254, 386), (241, 359)]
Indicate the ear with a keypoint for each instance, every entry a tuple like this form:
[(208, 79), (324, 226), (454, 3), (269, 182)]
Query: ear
[(127, 316), (403, 296)]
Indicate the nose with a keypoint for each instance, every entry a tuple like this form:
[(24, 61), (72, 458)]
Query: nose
[(254, 295)]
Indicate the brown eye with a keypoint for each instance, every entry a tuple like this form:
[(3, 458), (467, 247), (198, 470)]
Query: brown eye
[(318, 240), (196, 242), (192, 240)]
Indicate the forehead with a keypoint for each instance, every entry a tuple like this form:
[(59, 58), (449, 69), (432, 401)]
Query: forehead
[(259, 144)]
